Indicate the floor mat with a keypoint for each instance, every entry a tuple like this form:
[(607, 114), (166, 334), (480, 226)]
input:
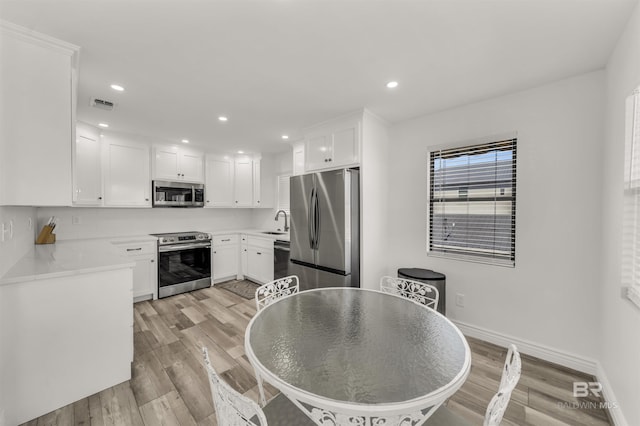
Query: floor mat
[(244, 288)]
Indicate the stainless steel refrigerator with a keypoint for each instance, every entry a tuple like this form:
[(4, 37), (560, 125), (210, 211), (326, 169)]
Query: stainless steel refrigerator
[(325, 229)]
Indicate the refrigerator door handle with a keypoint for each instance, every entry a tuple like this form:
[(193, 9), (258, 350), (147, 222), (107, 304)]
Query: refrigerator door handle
[(310, 222), (316, 220)]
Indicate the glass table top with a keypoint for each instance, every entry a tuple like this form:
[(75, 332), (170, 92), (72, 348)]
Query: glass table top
[(357, 346)]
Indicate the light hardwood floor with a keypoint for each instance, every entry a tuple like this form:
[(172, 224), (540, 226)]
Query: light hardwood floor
[(169, 385)]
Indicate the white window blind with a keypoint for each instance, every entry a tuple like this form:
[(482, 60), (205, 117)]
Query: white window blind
[(631, 220), (472, 202), (283, 193)]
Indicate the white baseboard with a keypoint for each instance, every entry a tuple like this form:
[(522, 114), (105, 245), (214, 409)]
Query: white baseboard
[(537, 350), (556, 356), (607, 393)]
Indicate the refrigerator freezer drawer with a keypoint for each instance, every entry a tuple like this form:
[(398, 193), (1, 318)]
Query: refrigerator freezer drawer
[(315, 278)]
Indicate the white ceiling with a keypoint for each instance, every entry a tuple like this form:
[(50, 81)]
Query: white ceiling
[(276, 66)]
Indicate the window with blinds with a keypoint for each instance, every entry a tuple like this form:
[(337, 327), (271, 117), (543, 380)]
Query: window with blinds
[(283, 193), (631, 220), (472, 202)]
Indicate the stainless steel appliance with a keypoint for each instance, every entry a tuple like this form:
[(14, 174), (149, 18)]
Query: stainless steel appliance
[(184, 262), (281, 250), (177, 194), (325, 229)]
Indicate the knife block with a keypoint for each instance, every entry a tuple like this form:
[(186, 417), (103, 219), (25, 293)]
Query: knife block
[(46, 236)]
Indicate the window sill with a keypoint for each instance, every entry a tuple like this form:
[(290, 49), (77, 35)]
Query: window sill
[(472, 259)]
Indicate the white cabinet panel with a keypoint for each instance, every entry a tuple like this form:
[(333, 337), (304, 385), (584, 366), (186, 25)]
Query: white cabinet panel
[(87, 167), (260, 264), (191, 167), (243, 174), (37, 92), (345, 146), (174, 163), (145, 273), (219, 183), (225, 262), (256, 183), (298, 159), (318, 152), (166, 164), (259, 259), (333, 144), (127, 181)]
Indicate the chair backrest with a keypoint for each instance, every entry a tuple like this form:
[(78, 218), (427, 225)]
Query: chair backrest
[(232, 408), (510, 376), (420, 292), (271, 291)]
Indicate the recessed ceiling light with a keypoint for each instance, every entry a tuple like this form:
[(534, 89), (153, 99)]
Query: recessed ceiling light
[(285, 136), (223, 118), (392, 84), (240, 152), (117, 87), (185, 140), (105, 125)]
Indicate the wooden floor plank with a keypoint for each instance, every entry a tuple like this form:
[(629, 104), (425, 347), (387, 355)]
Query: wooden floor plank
[(169, 385)]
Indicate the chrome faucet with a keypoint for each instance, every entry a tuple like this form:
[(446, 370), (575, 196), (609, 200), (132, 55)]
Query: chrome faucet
[(286, 222)]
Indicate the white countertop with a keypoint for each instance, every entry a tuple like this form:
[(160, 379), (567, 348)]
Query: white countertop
[(255, 233), (64, 258), (73, 257)]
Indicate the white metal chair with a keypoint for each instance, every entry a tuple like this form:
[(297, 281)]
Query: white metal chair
[(273, 290), (420, 292), (498, 404), (235, 409)]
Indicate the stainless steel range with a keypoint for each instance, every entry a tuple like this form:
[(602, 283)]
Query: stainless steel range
[(184, 262)]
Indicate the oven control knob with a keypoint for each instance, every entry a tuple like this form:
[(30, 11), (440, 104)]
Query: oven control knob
[(200, 237)]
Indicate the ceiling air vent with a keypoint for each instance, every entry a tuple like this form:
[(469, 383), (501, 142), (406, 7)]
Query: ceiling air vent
[(102, 104)]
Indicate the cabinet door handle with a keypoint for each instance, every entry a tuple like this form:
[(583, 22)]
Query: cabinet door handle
[(215, 252), (258, 201), (208, 201), (99, 198), (152, 261), (236, 201), (146, 199), (135, 249), (258, 252), (228, 239)]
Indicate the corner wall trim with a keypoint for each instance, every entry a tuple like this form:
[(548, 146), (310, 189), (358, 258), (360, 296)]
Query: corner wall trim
[(537, 350), (607, 393)]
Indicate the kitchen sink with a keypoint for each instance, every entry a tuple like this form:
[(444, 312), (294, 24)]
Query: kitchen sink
[(273, 232)]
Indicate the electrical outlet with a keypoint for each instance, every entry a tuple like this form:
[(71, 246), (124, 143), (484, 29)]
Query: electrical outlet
[(11, 229), (30, 224), (76, 220), (460, 300)]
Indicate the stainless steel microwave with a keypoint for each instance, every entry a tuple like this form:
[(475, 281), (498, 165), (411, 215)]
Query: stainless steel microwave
[(177, 194)]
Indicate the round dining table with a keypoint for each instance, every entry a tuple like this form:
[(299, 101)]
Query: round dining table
[(351, 356)]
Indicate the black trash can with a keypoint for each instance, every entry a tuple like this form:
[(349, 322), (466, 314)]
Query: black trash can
[(430, 277)]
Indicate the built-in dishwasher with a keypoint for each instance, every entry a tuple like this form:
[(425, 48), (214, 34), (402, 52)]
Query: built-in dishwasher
[(280, 259)]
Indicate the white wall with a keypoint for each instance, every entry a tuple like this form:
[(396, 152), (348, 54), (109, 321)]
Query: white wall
[(620, 319), (551, 297), (106, 222), (13, 248), (374, 195)]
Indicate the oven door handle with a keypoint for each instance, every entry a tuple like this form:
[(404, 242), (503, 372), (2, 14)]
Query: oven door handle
[(179, 247)]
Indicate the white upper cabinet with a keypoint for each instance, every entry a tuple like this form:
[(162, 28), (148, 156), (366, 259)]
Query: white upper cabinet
[(219, 183), (243, 177), (127, 180), (256, 183), (298, 158), (37, 114), (333, 144), (178, 164), (87, 167)]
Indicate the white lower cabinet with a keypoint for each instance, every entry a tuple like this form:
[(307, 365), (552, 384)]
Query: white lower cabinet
[(224, 257), (145, 273), (259, 259)]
